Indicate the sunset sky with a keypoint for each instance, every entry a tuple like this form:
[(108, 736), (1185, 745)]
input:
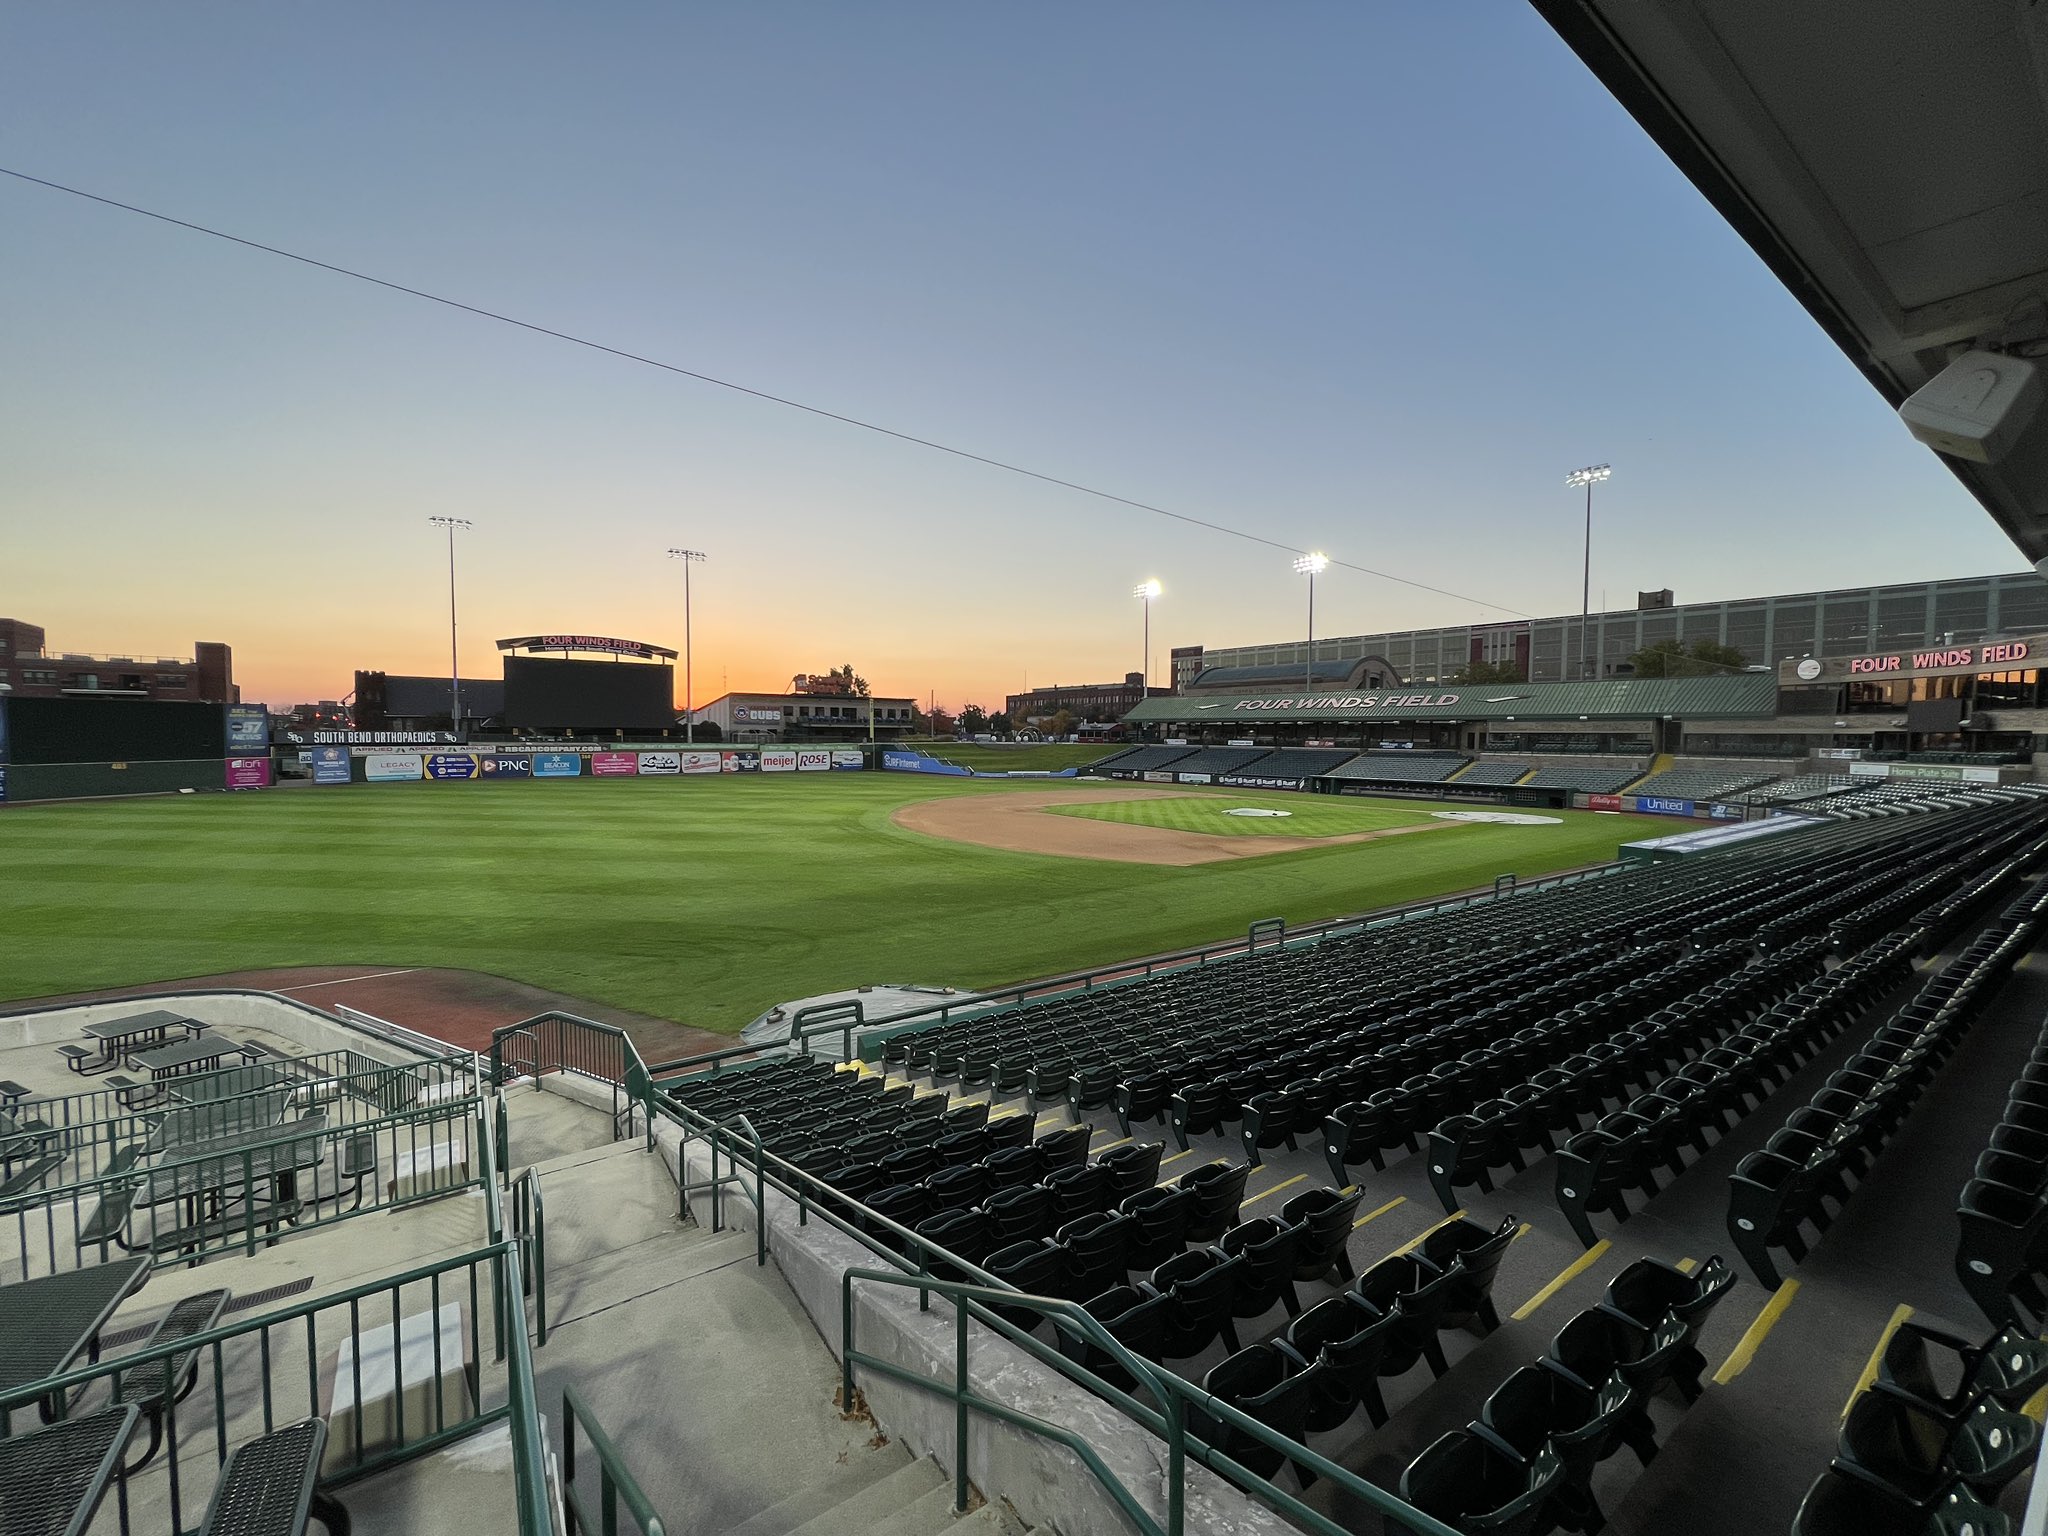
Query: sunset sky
[(1364, 277)]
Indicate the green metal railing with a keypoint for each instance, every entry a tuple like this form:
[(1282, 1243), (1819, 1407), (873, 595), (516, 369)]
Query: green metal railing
[(615, 1483), (563, 1042), (530, 1229), (1173, 1401)]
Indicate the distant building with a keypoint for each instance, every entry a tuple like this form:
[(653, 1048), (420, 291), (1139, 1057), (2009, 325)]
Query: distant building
[(29, 669), (831, 716), (1084, 701), (389, 701)]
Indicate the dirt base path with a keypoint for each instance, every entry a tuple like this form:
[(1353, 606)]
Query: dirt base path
[(1016, 823), (459, 1007)]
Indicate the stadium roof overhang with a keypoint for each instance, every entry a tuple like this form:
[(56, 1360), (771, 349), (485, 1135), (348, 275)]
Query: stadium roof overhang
[(1887, 160), (1750, 696)]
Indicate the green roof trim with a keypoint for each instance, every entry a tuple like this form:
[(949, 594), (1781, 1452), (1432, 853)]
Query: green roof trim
[(1750, 696)]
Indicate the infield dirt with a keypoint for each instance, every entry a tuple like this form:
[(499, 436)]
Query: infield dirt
[(1019, 823)]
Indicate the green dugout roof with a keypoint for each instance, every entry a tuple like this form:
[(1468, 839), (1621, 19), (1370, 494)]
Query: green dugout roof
[(1749, 696)]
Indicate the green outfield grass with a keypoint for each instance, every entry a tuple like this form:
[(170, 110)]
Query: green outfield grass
[(704, 901), (1307, 815)]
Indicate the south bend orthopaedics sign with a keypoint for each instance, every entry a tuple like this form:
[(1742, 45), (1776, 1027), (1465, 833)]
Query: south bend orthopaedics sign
[(1938, 661)]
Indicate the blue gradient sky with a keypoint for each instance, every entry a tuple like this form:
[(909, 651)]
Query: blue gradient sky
[(1367, 277)]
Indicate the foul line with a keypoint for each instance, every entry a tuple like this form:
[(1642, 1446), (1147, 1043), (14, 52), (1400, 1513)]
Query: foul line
[(1899, 1314), (1766, 1320), (342, 981), (1571, 1272)]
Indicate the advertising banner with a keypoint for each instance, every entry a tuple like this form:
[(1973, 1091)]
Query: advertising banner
[(917, 762), (662, 763), (249, 772), (700, 762), (1603, 802), (813, 760), (849, 758), (1196, 778), (615, 765), (1725, 812), (507, 766), (557, 765), (388, 767), (330, 765), (1244, 741), (739, 762), (3, 783), (451, 765), (747, 715), (1158, 776), (778, 760), (1256, 781), (1658, 805), (248, 727)]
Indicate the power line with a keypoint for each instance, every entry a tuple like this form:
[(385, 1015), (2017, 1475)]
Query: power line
[(758, 394)]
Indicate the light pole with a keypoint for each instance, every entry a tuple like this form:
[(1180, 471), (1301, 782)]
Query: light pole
[(689, 557), (1146, 591), (1589, 477), (454, 666), (1310, 565)]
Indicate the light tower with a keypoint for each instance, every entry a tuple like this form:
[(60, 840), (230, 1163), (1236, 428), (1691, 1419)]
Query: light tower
[(1147, 590), (1311, 565), (689, 557), (454, 665), (1589, 477)]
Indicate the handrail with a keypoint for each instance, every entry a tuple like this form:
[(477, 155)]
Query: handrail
[(530, 1228), (614, 1481), (846, 1015), (1173, 1394), (522, 1403)]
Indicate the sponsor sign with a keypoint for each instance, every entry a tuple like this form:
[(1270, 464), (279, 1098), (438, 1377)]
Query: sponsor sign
[(385, 738), (1725, 812), (1840, 754), (1176, 741), (1197, 778), (1158, 776), (248, 728), (739, 762), (615, 765), (1659, 805), (557, 765), (850, 758), (1936, 661), (812, 760), (1951, 772), (1603, 802), (917, 762), (748, 714), (699, 762), (3, 783), (330, 765), (778, 760), (248, 772), (1244, 742), (388, 767), (1345, 701), (1320, 742), (451, 765), (660, 763), (1255, 781), (603, 643), (507, 767)]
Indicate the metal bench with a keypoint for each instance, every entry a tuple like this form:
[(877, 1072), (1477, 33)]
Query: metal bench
[(266, 1487), (81, 1060), (257, 1218), (134, 1095), (11, 1092), (19, 1184), (156, 1385), (108, 1220)]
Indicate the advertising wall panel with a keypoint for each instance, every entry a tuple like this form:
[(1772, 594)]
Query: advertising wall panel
[(506, 765), (248, 772), (660, 763), (778, 760), (850, 758), (389, 767), (615, 765), (1196, 778), (739, 762), (813, 760), (701, 762), (1603, 802), (557, 765), (1256, 781), (330, 765), (248, 728), (451, 765), (1659, 805), (917, 762)]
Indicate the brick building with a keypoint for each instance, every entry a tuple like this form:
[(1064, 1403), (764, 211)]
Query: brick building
[(30, 670)]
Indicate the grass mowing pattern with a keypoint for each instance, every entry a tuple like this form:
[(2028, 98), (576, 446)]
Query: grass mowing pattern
[(1308, 815), (1043, 756), (702, 900)]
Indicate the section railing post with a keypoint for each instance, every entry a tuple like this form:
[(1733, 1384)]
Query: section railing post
[(960, 1411)]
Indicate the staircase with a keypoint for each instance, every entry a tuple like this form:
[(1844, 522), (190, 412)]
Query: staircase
[(889, 1495)]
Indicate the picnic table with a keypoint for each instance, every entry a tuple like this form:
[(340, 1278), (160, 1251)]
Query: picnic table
[(57, 1477), (197, 1054), (45, 1323), (122, 1038)]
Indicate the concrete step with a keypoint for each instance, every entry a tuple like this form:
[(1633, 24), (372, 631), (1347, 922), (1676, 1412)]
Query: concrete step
[(876, 1503), (862, 1471), (927, 1515)]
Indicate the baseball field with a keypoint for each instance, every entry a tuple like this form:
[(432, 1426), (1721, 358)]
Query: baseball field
[(708, 900)]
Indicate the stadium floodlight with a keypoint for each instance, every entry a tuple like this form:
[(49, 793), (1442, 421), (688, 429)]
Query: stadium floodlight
[(454, 664), (689, 557), (1589, 477), (1147, 590), (1311, 565)]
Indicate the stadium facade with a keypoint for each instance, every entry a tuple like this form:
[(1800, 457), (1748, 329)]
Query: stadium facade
[(1766, 630), (30, 670)]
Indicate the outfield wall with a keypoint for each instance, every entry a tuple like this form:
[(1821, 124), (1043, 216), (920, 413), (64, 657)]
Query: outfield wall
[(79, 748)]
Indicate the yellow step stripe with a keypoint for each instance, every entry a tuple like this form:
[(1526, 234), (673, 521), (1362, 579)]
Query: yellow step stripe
[(1283, 1184), (1417, 1241), (1571, 1272), (1371, 1215), (1766, 1320), (1899, 1315)]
